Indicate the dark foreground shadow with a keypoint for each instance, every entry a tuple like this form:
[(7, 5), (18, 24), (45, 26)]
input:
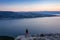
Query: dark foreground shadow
[(6, 38)]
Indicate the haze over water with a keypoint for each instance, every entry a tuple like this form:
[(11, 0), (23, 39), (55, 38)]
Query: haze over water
[(35, 26)]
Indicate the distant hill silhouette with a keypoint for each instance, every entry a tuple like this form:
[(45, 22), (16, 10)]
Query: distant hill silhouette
[(10, 14)]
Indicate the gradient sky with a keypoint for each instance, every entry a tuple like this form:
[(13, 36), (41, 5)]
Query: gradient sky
[(29, 5)]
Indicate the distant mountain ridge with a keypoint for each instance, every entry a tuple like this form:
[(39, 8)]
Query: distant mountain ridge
[(10, 14)]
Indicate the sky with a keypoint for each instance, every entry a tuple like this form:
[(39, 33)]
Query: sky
[(29, 5)]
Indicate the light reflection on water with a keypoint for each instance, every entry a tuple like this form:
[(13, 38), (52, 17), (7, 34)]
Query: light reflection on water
[(35, 26)]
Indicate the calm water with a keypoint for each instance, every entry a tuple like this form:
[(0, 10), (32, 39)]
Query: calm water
[(35, 26)]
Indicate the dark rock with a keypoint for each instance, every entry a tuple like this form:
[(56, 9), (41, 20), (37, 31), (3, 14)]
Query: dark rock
[(6, 38)]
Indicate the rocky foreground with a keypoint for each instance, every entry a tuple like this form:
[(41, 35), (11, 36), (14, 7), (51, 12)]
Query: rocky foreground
[(33, 37), (40, 37)]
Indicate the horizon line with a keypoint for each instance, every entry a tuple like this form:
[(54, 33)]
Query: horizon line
[(34, 11)]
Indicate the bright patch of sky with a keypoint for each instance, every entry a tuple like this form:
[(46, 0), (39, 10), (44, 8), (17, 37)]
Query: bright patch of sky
[(29, 5)]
